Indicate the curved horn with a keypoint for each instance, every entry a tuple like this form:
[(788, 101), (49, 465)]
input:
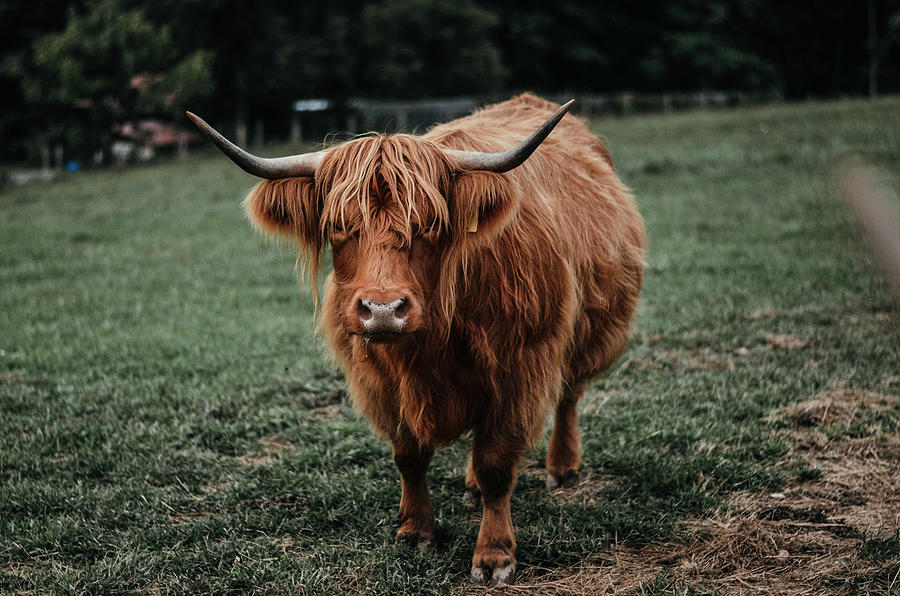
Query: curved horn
[(271, 168), (507, 160)]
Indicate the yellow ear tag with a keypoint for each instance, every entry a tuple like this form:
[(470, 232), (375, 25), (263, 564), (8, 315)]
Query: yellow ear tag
[(473, 223)]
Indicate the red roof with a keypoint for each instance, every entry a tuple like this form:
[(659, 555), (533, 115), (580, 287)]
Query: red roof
[(156, 133)]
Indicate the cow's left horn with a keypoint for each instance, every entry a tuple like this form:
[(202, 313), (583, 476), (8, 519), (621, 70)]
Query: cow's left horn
[(507, 160), (271, 168)]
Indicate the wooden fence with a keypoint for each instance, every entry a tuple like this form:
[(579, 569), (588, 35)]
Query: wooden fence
[(395, 116)]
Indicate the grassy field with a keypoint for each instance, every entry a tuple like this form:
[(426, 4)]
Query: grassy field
[(168, 423)]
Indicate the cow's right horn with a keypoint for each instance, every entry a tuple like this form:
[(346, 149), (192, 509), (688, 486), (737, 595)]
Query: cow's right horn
[(271, 168)]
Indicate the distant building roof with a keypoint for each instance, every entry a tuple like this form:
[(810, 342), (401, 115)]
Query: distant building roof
[(156, 133)]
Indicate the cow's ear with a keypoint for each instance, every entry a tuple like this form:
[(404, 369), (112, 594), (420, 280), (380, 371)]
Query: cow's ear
[(288, 207), (481, 204)]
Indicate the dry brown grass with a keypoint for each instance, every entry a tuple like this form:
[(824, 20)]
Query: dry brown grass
[(787, 342), (844, 406), (13, 375), (273, 447), (693, 359), (803, 540)]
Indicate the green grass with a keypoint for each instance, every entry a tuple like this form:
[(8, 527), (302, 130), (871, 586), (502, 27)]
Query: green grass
[(168, 422)]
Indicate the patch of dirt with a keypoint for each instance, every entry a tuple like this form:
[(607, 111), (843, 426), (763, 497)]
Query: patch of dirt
[(842, 406), (326, 412), (274, 445), (787, 342), (13, 375), (153, 589), (287, 545), (695, 359), (257, 459), (587, 490), (765, 315), (761, 544), (804, 540), (19, 569), (209, 489), (698, 360)]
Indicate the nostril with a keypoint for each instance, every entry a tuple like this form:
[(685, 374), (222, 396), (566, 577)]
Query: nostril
[(364, 312), (402, 309)]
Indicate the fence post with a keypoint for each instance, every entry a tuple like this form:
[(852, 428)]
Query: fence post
[(402, 119), (258, 133), (296, 129), (352, 123), (182, 145), (240, 132)]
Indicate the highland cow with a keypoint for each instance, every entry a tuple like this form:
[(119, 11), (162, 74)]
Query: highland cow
[(478, 281)]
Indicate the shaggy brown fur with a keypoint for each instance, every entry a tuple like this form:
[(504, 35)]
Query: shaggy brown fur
[(503, 323)]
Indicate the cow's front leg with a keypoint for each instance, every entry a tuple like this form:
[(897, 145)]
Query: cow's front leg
[(494, 465), (416, 514)]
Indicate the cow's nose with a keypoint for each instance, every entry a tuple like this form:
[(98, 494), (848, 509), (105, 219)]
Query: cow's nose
[(383, 317)]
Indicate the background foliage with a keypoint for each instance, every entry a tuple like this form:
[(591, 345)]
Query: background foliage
[(106, 66), (256, 58)]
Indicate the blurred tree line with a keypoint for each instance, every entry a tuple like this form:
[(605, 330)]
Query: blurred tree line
[(74, 71)]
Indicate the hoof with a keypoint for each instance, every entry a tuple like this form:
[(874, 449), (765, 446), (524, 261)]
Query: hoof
[(494, 578), (415, 540), (564, 479)]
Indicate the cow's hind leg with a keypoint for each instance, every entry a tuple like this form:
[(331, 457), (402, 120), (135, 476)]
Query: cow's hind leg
[(564, 450), (416, 513), (472, 496)]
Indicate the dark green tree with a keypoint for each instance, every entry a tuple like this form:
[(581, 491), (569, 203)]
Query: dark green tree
[(108, 66), (21, 23), (880, 39), (417, 48), (700, 46), (267, 54), (565, 46), (260, 56)]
